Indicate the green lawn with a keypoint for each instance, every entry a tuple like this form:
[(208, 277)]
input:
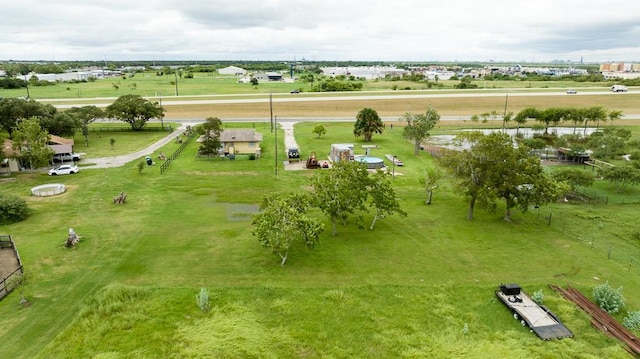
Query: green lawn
[(406, 289)]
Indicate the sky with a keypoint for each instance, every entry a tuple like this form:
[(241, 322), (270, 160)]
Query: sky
[(321, 30)]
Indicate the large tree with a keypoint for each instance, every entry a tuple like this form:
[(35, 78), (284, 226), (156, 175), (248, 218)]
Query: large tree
[(210, 130), (367, 123), (61, 124), (494, 168), (30, 141), (472, 170), (283, 221), (418, 126), (134, 110), (85, 115), (341, 191), (14, 110)]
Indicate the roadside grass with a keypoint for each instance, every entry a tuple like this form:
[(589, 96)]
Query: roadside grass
[(405, 289)]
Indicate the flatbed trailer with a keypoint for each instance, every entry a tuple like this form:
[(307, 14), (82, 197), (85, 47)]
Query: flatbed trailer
[(537, 317)]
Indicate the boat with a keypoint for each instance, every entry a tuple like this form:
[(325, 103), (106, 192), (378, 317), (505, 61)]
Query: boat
[(395, 160)]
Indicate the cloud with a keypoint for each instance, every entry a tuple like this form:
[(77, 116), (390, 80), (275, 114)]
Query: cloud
[(402, 30)]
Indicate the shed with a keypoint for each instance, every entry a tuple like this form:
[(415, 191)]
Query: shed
[(341, 152)]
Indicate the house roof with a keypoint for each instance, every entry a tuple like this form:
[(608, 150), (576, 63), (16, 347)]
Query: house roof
[(240, 135), (60, 140)]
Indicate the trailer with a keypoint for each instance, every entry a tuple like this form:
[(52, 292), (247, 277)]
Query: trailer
[(536, 316)]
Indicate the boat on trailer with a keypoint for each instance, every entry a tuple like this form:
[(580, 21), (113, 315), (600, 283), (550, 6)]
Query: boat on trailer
[(395, 160), (536, 316)]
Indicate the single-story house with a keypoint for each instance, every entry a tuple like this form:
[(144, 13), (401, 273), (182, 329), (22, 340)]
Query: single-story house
[(239, 141), (341, 152)]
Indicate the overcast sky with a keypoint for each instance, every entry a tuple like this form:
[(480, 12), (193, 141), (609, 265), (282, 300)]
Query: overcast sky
[(331, 30)]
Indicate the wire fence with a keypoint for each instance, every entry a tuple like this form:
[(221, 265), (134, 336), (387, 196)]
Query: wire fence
[(613, 243)]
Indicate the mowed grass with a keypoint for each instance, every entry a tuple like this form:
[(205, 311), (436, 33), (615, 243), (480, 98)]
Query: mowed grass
[(406, 289)]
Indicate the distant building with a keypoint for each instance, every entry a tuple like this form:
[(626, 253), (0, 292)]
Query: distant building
[(232, 70)]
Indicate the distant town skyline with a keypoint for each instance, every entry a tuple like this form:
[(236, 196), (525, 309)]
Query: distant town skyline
[(358, 30)]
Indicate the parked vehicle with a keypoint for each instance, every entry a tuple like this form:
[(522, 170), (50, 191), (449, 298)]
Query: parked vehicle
[(66, 157), (619, 88), (64, 170)]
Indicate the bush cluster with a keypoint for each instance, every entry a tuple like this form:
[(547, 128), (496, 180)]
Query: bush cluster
[(608, 298), (632, 320), (12, 209)]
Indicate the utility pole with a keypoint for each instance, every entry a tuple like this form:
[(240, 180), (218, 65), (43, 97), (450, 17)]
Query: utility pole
[(276, 144), (176, 73), (271, 110)]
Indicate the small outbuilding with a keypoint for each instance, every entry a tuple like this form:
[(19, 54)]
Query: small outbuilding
[(341, 152)]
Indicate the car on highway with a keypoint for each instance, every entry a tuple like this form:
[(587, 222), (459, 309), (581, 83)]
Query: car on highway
[(572, 91), (295, 91), (64, 170)]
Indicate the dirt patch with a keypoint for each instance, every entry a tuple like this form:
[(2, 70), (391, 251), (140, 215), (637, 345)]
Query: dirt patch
[(8, 262)]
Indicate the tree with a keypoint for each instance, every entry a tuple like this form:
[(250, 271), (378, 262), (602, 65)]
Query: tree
[(430, 181), (493, 168), (609, 142), (61, 124), (86, 115), (134, 110), (367, 123), (210, 130), (341, 191), (254, 81), (14, 110), (621, 176), (319, 130), (30, 140), (283, 221), (418, 126), (383, 198), (574, 178)]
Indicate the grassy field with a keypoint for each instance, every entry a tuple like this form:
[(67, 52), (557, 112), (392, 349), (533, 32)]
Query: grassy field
[(408, 289)]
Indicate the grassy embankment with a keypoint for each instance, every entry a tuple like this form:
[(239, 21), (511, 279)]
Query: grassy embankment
[(406, 289)]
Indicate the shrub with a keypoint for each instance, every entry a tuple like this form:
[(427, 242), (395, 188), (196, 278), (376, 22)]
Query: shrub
[(538, 296), (202, 299), (607, 298), (12, 209), (252, 156), (632, 320)]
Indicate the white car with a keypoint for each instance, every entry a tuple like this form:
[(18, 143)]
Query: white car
[(64, 170), (572, 91)]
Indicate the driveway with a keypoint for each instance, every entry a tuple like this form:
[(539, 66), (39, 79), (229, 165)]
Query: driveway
[(118, 161)]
